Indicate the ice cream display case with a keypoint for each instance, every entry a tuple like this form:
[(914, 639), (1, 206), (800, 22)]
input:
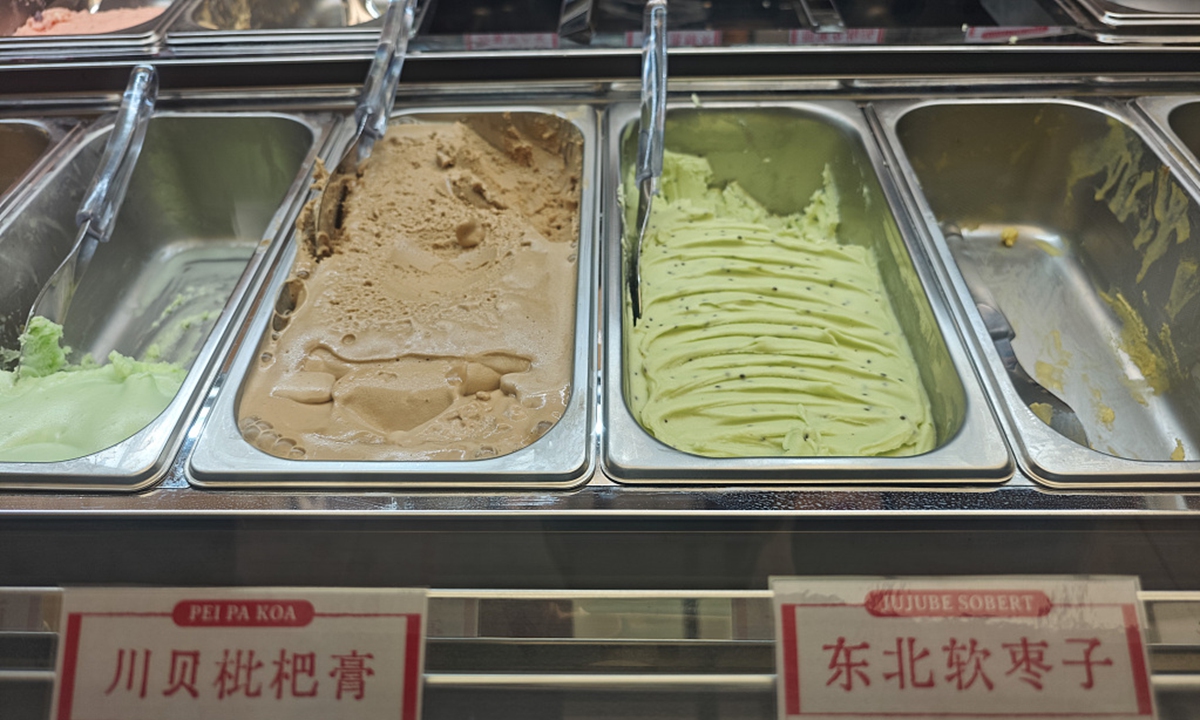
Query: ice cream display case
[(981, 215)]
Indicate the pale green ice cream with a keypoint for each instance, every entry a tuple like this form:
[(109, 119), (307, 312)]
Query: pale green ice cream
[(761, 335), (57, 411)]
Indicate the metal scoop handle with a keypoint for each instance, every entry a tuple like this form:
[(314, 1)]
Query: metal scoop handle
[(650, 137), (379, 90), (104, 196), (654, 91), (98, 212)]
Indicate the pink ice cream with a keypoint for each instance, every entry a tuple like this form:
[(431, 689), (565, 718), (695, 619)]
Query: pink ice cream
[(61, 21)]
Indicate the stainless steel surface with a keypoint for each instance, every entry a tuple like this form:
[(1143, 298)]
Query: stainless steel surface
[(563, 457), (28, 147), (202, 206), (22, 142), (575, 20), (1176, 118), (800, 138), (1143, 13), (1062, 418), (372, 113), (650, 138), (821, 15), (1099, 223), (104, 196)]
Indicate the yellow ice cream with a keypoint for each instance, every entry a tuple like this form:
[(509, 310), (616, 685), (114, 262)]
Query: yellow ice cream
[(761, 335)]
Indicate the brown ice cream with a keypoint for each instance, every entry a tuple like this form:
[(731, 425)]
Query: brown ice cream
[(437, 322)]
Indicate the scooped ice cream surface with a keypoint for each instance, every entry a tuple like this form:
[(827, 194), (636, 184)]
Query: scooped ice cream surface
[(437, 323), (57, 411), (762, 335)]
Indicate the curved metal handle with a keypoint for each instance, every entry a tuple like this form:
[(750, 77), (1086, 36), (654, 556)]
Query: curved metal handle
[(103, 198), (379, 90), (654, 91)]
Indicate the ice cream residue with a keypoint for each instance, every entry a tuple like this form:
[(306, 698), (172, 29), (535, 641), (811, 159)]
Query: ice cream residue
[(1154, 201), (1051, 372), (1136, 342), (1044, 412)]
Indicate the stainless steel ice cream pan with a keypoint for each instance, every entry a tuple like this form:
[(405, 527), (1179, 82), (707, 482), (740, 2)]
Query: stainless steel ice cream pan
[(776, 152), (562, 457), (14, 13), (1143, 13), (202, 206), (1177, 118), (1068, 215), (303, 21)]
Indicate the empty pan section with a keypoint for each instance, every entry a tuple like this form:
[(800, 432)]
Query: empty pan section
[(1084, 238), (21, 144)]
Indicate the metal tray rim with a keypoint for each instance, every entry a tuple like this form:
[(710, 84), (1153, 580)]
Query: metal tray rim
[(1115, 15)]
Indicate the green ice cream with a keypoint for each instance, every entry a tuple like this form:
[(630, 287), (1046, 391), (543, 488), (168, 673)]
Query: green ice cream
[(57, 411), (761, 335)]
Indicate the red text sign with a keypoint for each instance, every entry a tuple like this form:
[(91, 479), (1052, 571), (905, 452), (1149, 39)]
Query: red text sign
[(957, 603), (961, 648), (234, 654)]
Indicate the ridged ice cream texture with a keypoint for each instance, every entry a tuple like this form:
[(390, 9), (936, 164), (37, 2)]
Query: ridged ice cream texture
[(762, 334), (438, 324)]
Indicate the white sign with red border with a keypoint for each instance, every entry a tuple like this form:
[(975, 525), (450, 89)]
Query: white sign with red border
[(970, 648), (240, 654)]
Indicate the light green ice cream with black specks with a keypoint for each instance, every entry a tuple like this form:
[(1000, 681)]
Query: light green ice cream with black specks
[(58, 411), (761, 335)]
